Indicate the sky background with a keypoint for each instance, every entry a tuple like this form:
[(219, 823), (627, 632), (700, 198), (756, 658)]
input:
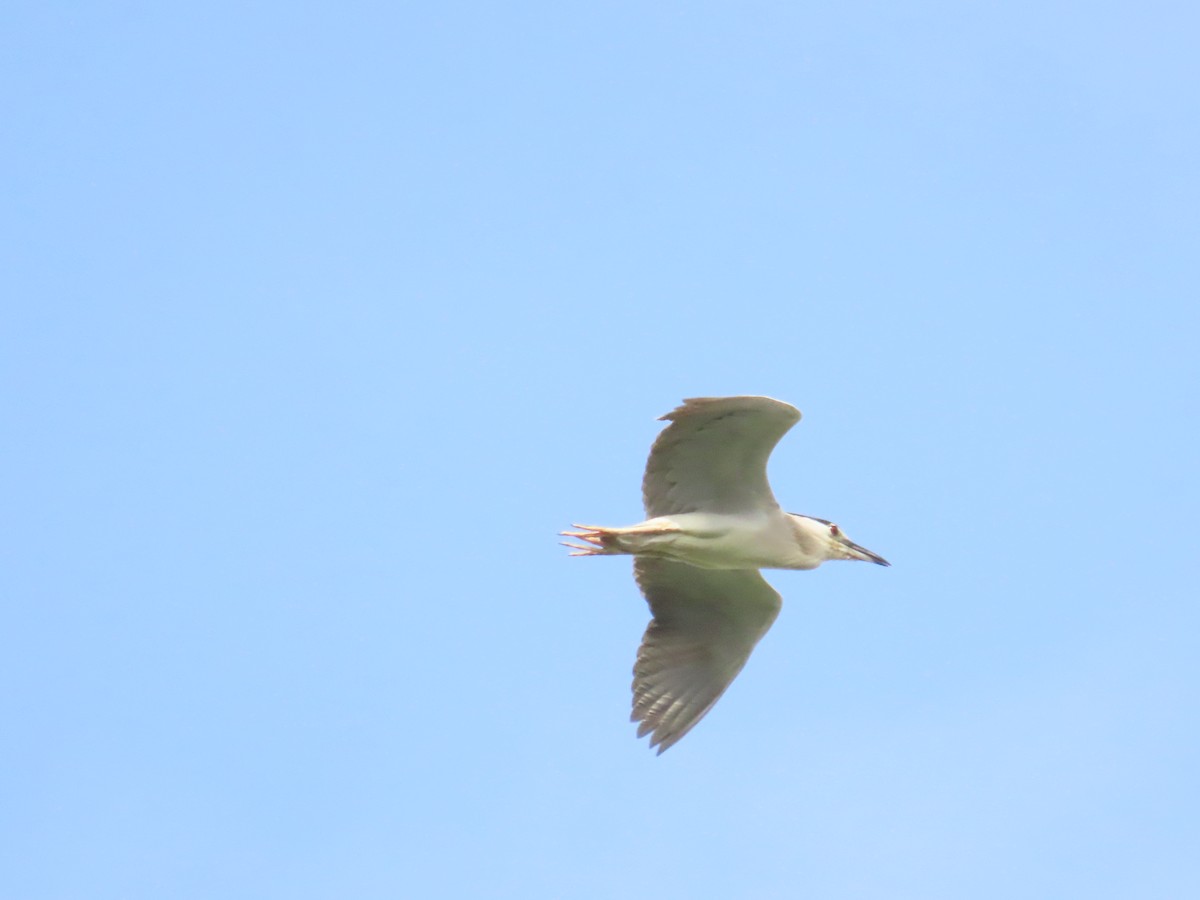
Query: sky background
[(319, 321)]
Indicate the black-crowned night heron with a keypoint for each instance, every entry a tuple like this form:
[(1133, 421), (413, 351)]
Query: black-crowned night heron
[(712, 523)]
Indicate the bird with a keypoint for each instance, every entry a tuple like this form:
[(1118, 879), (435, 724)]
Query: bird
[(712, 522)]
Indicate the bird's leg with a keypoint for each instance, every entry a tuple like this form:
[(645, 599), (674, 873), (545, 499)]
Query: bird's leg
[(598, 539), (592, 535), (584, 550), (604, 541)]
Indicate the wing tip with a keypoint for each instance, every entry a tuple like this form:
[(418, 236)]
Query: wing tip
[(692, 404)]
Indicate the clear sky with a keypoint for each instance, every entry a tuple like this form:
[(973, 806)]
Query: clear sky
[(320, 320)]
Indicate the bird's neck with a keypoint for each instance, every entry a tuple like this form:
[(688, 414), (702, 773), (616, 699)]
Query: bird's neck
[(810, 541)]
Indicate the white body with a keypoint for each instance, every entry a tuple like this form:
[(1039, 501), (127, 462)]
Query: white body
[(765, 539)]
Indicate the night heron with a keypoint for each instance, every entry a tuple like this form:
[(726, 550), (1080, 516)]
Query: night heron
[(712, 523)]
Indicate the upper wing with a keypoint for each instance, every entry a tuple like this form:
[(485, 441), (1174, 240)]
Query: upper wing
[(706, 622), (713, 456)]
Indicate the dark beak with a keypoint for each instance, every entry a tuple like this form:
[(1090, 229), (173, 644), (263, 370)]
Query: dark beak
[(857, 552)]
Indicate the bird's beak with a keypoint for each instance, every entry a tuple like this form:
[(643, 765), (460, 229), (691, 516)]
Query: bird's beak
[(853, 551)]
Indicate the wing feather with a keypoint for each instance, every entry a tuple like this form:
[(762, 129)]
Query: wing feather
[(713, 456), (706, 622)]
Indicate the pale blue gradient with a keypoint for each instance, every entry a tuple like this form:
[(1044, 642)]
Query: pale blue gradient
[(319, 323)]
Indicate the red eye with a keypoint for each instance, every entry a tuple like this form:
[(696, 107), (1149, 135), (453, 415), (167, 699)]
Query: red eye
[(833, 529)]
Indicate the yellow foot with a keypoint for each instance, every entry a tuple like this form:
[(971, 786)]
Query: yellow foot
[(583, 549), (594, 535)]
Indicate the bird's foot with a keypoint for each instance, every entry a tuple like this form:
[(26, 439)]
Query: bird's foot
[(598, 541), (581, 549)]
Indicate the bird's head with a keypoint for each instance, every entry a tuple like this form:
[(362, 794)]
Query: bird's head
[(829, 542)]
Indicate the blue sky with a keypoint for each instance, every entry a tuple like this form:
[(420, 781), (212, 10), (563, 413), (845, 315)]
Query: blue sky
[(320, 322)]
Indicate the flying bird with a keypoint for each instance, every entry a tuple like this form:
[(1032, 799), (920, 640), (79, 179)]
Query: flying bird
[(711, 524)]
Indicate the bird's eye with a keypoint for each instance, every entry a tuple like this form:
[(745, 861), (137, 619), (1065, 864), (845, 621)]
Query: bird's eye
[(833, 529)]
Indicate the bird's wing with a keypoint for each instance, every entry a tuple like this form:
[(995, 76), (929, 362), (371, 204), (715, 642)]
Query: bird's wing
[(713, 456), (706, 622)]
